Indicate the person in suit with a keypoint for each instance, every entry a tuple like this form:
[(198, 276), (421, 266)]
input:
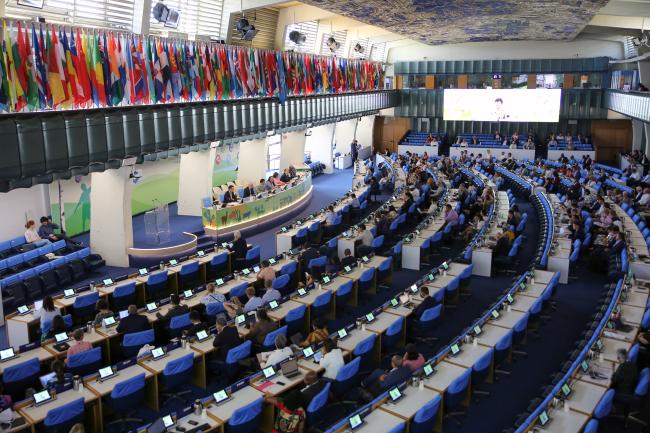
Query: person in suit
[(286, 176), (427, 302), (134, 322), (230, 196), (348, 259), (249, 191), (576, 231), (502, 247), (618, 245), (380, 381), (261, 327), (197, 324), (306, 256), (625, 377), (176, 309), (313, 385), (226, 338), (239, 246)]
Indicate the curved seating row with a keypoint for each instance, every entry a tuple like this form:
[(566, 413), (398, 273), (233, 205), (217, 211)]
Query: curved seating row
[(15, 263)]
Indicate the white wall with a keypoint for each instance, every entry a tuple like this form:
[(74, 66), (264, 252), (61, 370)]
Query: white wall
[(320, 144), (364, 131), (292, 151), (19, 205), (194, 181), (252, 160), (579, 47), (343, 135)]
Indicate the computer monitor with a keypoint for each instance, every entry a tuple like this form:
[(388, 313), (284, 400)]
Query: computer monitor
[(45, 379), (543, 418), (7, 354), (61, 337), (157, 353), (123, 314), (308, 352), (455, 349), (566, 390), (202, 335), (219, 282), (168, 421), (106, 372), (108, 281), (370, 317)]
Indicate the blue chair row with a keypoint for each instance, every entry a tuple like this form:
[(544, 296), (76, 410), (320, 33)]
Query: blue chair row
[(16, 262)]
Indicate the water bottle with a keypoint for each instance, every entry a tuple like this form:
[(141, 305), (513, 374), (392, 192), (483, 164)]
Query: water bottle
[(184, 341), (162, 265), (76, 382), (198, 407), (92, 286), (89, 327)]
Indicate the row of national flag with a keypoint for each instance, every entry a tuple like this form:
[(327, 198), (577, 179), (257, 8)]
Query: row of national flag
[(51, 68)]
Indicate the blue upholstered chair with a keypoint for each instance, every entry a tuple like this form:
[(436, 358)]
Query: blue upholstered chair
[(189, 275), (125, 398), (219, 265), (176, 378), (295, 319), (87, 362), (17, 378), (390, 340), (363, 350), (455, 396), (178, 324), (123, 296), (322, 305), (133, 342), (62, 418), (84, 305), (246, 419), (269, 340), (316, 405), (425, 418), (156, 286)]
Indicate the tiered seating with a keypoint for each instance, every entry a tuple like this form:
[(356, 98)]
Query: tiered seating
[(47, 278), (488, 141), (15, 262), (562, 145), (420, 138)]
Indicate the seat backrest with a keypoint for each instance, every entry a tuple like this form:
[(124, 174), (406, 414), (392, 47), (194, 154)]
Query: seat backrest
[(124, 290), (157, 278), (318, 262), (86, 300), (461, 383), (428, 411), (484, 362), (345, 288), (179, 365), (239, 289), (24, 370), (240, 352), (189, 268), (395, 327), (319, 400), (365, 345), (297, 313), (269, 340), (138, 338), (386, 264), (281, 281), (84, 358), (641, 389), (504, 342), (349, 370), (253, 253), (367, 275), (246, 413), (604, 406), (63, 414), (431, 313), (323, 299), (180, 321), (219, 258), (288, 268)]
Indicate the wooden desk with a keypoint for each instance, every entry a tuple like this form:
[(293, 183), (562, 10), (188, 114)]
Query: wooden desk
[(382, 322), (354, 337), (412, 400), (106, 387), (491, 335), (632, 315), (44, 357), (95, 338), (606, 368), (184, 422), (241, 398), (610, 346), (157, 366), (542, 277), (455, 269), (565, 422), (278, 384), (399, 311), (377, 421), (585, 396), (523, 303), (636, 298), (440, 282), (444, 375), (355, 275), (508, 319), (22, 329), (36, 414), (468, 356), (310, 298), (534, 290)]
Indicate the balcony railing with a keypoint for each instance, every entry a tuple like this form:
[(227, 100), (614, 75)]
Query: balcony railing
[(632, 104)]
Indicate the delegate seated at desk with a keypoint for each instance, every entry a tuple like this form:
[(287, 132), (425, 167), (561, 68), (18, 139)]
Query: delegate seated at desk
[(348, 259), (625, 378), (250, 191), (239, 246), (427, 302), (313, 385), (176, 309), (366, 241), (281, 353), (261, 327), (230, 196), (380, 380), (134, 322), (226, 338), (234, 306), (332, 360)]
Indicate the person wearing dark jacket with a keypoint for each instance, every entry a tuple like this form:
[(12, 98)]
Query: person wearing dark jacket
[(625, 378), (134, 322), (230, 196), (576, 232), (249, 191), (197, 324), (348, 259), (502, 247), (226, 338), (313, 385), (306, 256), (427, 302), (239, 246), (176, 309), (380, 381)]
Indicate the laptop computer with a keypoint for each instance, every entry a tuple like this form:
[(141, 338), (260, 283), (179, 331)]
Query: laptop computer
[(221, 396), (23, 309), (69, 293), (318, 356), (202, 335), (108, 282), (187, 294), (123, 314), (107, 322), (394, 394), (38, 304), (308, 352), (45, 379), (290, 368), (404, 299), (355, 421), (41, 397), (273, 305), (143, 271), (106, 373), (7, 354), (61, 337), (151, 307), (342, 333), (269, 372), (158, 353)]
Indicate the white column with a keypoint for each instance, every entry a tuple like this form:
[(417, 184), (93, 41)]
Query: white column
[(637, 134), (320, 143), (647, 140), (253, 156), (111, 226), (364, 132), (194, 181), (292, 149), (141, 17), (344, 134), (644, 72)]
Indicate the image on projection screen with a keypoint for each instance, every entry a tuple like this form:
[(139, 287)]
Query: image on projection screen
[(502, 105)]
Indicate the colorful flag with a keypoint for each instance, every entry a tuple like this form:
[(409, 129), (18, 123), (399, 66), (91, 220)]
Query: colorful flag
[(4, 83), (28, 61), (55, 84), (117, 88), (78, 58), (62, 68), (96, 72)]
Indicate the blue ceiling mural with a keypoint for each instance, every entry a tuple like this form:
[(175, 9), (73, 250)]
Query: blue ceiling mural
[(436, 22)]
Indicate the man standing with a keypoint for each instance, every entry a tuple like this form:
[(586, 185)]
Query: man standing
[(354, 150)]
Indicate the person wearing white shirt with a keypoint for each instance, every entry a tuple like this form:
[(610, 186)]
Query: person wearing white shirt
[(212, 296), (332, 360), (330, 215), (415, 192), (645, 198), (281, 352), (32, 236), (47, 311)]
